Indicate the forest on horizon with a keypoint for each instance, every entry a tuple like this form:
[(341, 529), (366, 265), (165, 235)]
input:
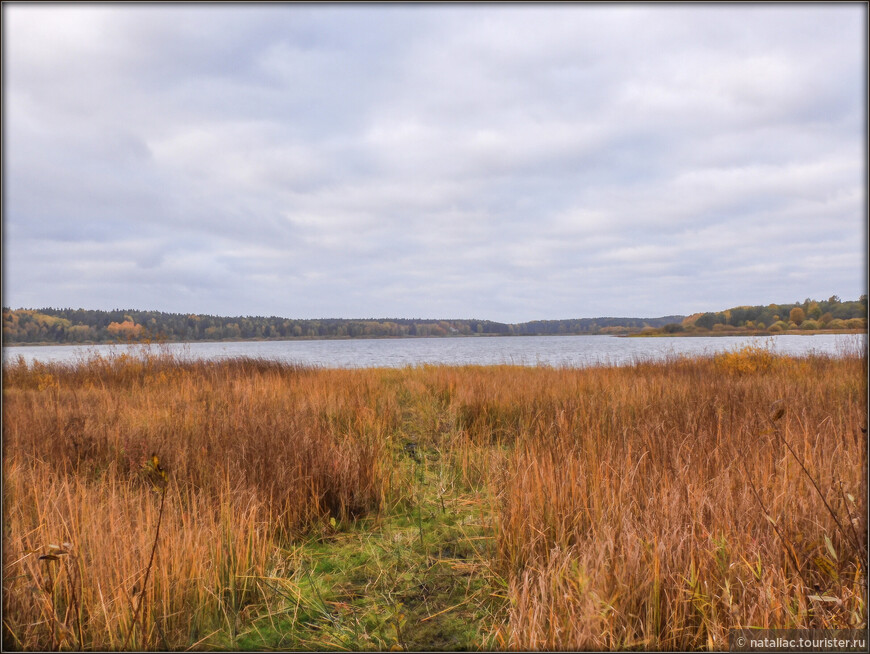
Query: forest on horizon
[(50, 325)]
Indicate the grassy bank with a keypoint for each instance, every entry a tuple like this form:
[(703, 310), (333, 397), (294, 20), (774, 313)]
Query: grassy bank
[(648, 506), (659, 333)]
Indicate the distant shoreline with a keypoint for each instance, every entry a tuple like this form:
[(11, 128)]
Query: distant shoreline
[(289, 339), (791, 332), (796, 332)]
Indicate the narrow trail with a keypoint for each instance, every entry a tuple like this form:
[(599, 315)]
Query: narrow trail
[(416, 576)]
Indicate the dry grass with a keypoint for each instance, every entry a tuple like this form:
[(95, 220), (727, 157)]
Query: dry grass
[(653, 506), (256, 454), (659, 506)]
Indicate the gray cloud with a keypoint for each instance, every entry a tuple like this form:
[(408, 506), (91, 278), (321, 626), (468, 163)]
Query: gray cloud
[(502, 162)]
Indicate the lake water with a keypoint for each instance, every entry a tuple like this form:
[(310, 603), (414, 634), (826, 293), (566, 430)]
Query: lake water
[(570, 351)]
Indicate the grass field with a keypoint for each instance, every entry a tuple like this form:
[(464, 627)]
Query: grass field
[(652, 506)]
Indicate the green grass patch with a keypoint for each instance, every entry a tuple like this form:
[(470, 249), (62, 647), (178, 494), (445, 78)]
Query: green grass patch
[(415, 577)]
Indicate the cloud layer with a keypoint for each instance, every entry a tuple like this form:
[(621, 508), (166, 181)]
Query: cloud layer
[(502, 162)]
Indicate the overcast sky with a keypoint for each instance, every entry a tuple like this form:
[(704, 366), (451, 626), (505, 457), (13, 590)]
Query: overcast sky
[(491, 161)]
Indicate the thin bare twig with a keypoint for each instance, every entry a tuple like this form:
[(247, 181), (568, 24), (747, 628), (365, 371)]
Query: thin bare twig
[(816, 486), (148, 569)]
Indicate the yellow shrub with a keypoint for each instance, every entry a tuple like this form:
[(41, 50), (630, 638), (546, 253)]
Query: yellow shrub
[(748, 359)]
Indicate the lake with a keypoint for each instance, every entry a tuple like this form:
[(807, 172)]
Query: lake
[(569, 351)]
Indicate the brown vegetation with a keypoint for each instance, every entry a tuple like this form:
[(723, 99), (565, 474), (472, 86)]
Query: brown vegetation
[(648, 506), (659, 506)]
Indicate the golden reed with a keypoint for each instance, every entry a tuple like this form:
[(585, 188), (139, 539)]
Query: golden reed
[(650, 506)]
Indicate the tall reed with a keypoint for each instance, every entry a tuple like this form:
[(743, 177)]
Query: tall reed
[(651, 506), (255, 454), (666, 504)]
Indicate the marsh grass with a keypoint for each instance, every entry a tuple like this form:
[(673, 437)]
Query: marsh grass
[(686, 499), (651, 506)]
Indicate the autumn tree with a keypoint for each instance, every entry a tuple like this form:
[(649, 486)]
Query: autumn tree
[(797, 315), (127, 329)]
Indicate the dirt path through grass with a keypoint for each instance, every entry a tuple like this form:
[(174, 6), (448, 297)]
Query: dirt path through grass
[(414, 578), (417, 576)]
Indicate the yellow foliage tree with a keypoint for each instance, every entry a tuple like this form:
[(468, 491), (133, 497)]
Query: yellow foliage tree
[(797, 315), (127, 329)]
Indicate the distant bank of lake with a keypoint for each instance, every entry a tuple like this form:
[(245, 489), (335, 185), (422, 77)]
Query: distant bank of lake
[(570, 351)]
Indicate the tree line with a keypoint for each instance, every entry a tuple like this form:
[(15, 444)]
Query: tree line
[(50, 325), (832, 313)]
